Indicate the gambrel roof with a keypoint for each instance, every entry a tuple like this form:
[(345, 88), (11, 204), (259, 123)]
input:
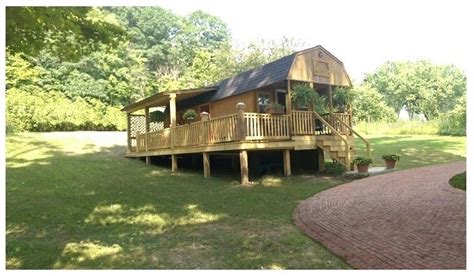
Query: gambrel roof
[(279, 70), (264, 75)]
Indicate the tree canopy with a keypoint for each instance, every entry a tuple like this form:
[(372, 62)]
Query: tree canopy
[(96, 60), (420, 87), (68, 32)]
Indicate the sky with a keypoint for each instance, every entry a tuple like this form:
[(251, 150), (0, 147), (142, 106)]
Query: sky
[(363, 34)]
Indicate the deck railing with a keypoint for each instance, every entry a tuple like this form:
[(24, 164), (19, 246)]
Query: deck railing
[(262, 126), (302, 122), (256, 126)]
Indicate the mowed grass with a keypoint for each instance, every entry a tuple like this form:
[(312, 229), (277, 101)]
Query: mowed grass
[(73, 201), (414, 150)]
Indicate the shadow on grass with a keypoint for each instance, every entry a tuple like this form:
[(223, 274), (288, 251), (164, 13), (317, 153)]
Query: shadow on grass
[(92, 208)]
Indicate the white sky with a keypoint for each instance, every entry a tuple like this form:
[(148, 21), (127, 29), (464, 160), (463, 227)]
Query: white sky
[(363, 34)]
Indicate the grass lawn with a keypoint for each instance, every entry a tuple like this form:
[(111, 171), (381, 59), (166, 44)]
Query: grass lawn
[(459, 181), (74, 202), (415, 150)]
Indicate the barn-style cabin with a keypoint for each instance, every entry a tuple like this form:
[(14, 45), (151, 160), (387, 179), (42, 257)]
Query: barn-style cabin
[(233, 122)]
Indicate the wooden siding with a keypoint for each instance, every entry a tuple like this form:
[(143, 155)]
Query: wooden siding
[(226, 106), (311, 67)]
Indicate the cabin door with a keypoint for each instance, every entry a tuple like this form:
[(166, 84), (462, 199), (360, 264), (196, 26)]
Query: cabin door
[(281, 98)]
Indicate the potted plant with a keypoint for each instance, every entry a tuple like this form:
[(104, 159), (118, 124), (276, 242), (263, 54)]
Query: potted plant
[(190, 115), (304, 97), (390, 160), (275, 108), (362, 163)]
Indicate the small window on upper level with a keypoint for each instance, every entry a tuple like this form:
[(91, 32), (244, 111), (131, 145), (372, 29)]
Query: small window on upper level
[(264, 99)]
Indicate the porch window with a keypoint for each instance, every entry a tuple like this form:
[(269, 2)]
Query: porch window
[(264, 99)]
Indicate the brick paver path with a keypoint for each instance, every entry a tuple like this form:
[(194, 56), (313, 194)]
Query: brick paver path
[(406, 219)]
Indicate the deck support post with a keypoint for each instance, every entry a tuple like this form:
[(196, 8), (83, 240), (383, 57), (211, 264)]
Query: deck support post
[(148, 160), (286, 162), (244, 167), (129, 134), (206, 164), (321, 166), (174, 163)]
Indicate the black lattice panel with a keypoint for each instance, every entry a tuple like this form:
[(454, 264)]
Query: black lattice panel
[(155, 126), (137, 125)]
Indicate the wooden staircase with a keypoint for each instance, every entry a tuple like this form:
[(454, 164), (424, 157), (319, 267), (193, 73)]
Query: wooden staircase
[(335, 147)]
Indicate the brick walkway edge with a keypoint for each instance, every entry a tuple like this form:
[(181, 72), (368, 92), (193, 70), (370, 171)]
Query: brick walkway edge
[(409, 219)]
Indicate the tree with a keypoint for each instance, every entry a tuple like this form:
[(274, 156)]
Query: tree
[(368, 105), (420, 87), (68, 32)]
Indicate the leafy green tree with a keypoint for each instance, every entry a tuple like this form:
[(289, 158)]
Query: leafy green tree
[(68, 32), (368, 105), (420, 87)]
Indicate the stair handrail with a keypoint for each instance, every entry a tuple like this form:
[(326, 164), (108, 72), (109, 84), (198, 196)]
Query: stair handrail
[(367, 144), (348, 151)]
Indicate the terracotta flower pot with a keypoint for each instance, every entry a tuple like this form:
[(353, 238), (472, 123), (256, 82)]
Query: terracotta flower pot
[(390, 164), (362, 168)]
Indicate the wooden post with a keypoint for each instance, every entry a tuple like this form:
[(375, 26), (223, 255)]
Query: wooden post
[(321, 166), (311, 107), (147, 129), (244, 167), (288, 106), (331, 107), (129, 134), (148, 160), (288, 98), (286, 163), (241, 126), (173, 110), (174, 163), (206, 164), (172, 117)]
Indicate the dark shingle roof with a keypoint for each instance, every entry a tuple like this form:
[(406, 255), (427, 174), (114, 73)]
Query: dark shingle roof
[(255, 78)]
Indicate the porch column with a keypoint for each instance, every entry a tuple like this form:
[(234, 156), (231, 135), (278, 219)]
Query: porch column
[(331, 108), (286, 163), (147, 130), (244, 167), (172, 117), (288, 106), (206, 164), (173, 109), (288, 98), (129, 135)]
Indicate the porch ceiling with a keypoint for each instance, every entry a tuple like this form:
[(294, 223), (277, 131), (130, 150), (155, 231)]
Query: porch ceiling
[(163, 98)]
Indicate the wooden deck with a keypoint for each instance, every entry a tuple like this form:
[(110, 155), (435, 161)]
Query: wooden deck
[(302, 130)]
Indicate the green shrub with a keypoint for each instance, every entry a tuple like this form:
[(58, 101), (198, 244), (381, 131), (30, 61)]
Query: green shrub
[(31, 109), (393, 157), (362, 160), (334, 168), (454, 122)]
